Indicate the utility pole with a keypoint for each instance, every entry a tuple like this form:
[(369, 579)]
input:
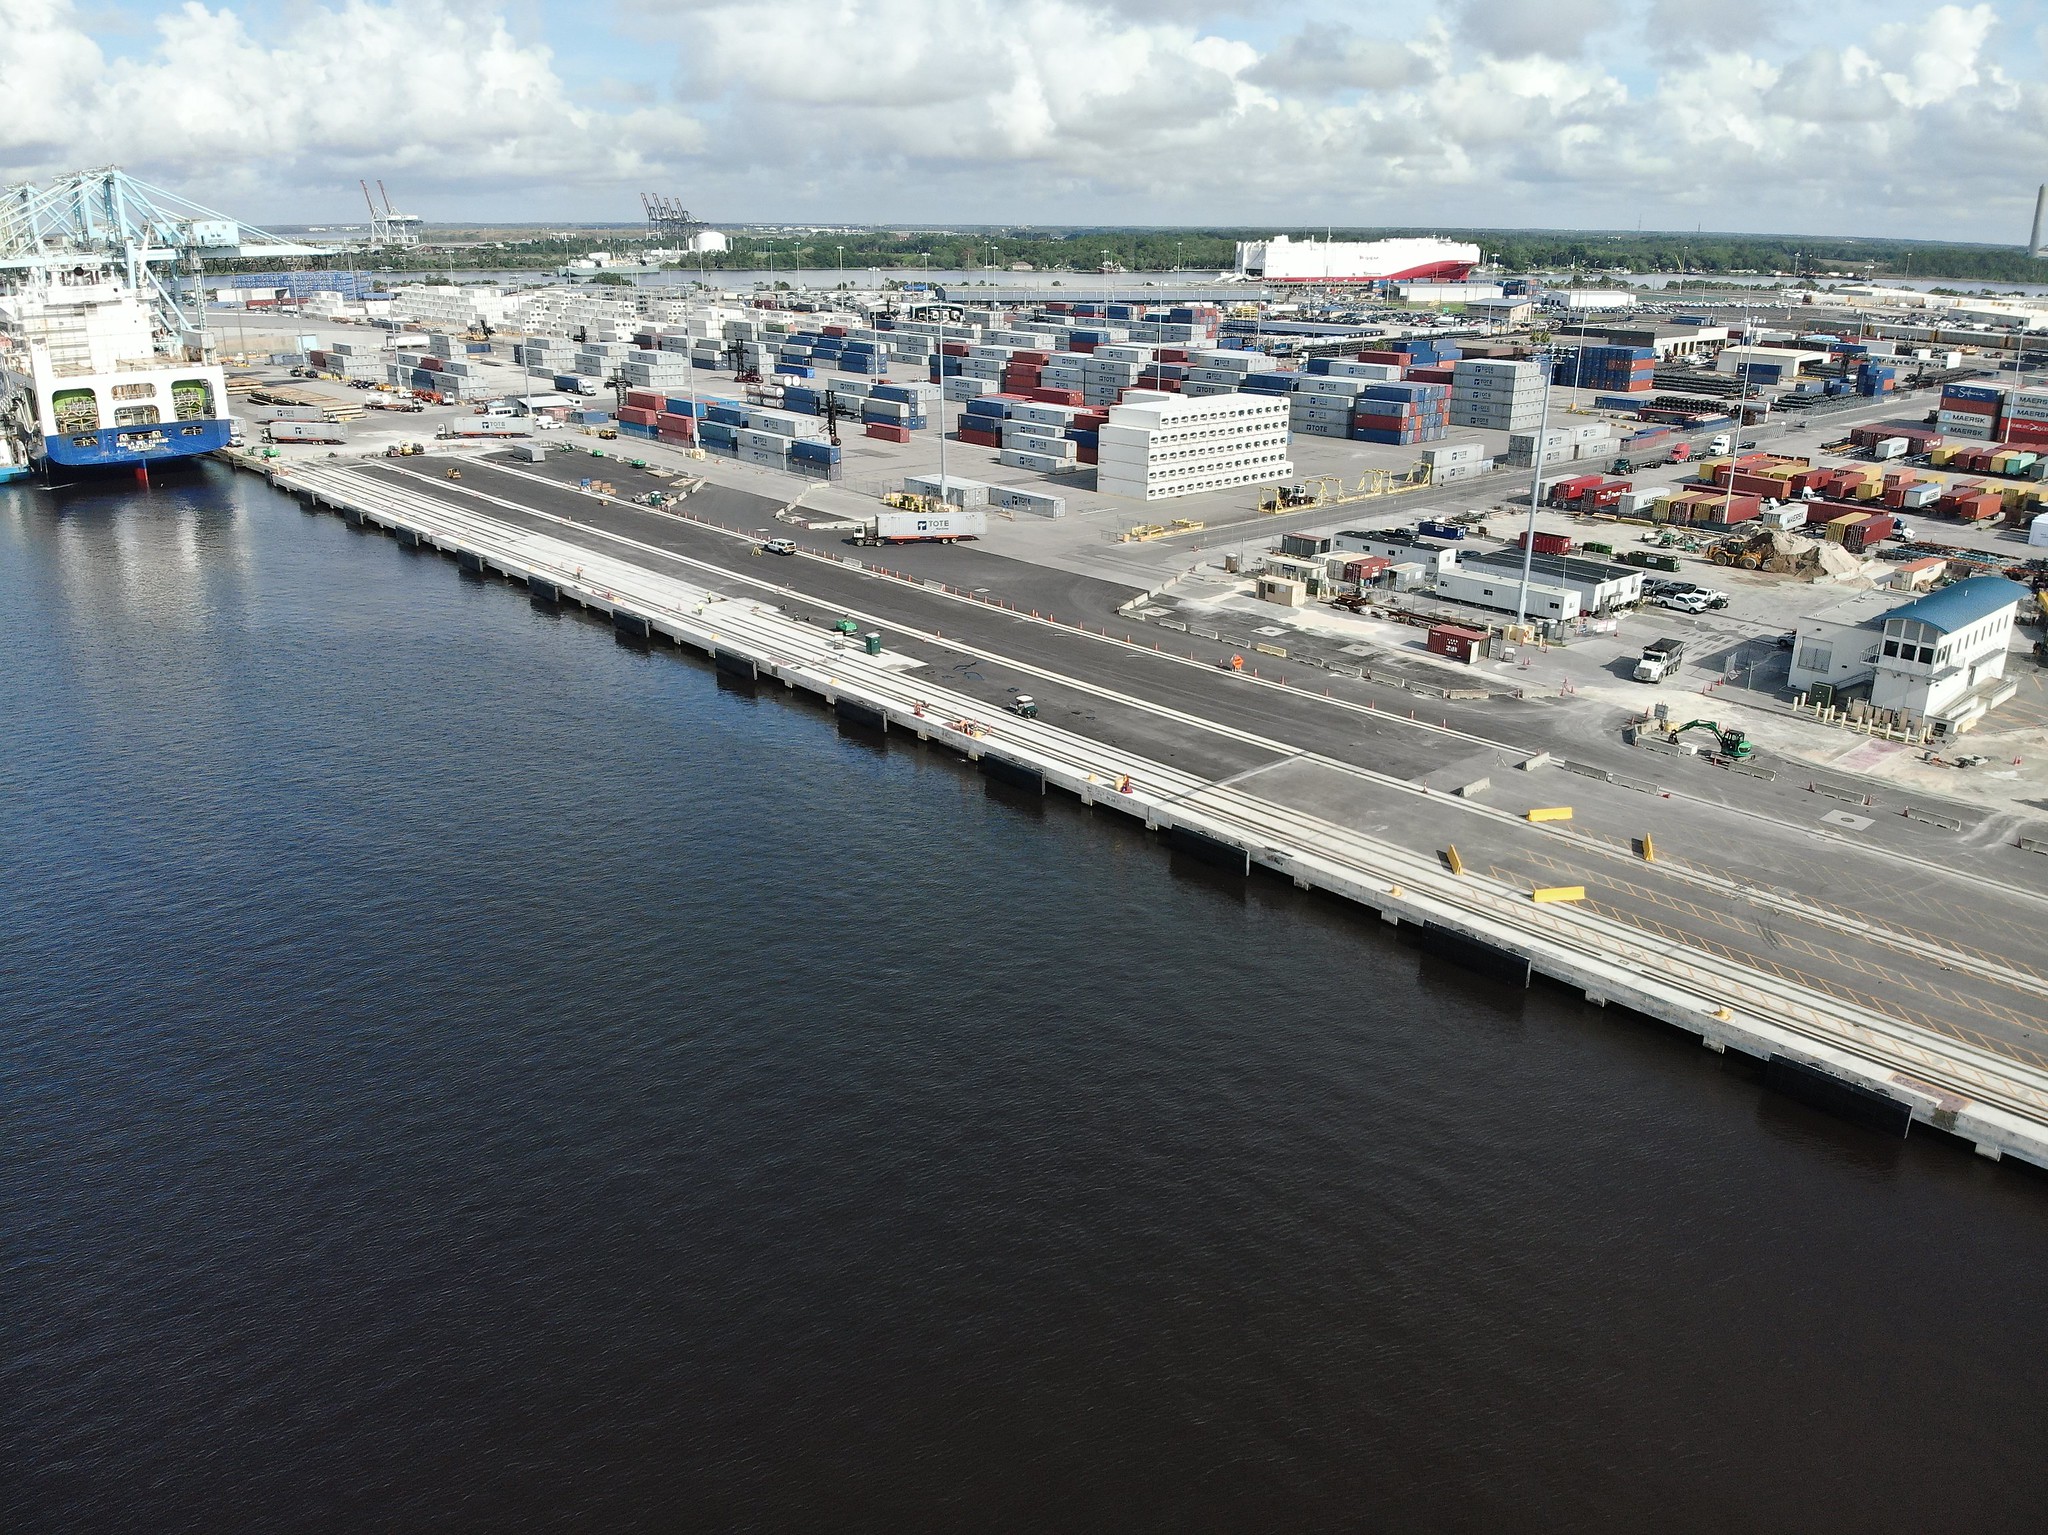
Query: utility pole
[(1535, 494)]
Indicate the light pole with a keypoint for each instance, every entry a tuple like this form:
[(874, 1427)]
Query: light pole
[(1735, 443), (1535, 493)]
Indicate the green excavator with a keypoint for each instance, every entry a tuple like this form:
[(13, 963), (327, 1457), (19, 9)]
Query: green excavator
[(1730, 743)]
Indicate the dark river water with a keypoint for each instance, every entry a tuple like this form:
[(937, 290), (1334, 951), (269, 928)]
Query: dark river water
[(462, 1074)]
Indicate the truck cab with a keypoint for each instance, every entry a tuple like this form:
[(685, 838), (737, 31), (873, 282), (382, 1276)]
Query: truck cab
[(1659, 660)]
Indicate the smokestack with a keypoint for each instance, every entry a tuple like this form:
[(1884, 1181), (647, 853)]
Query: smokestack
[(2040, 208)]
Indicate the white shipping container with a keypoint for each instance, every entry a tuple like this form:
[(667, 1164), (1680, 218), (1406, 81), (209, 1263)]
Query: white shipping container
[(306, 431), (913, 526), (1037, 463)]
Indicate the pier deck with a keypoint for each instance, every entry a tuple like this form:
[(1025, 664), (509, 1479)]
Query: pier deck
[(1905, 963)]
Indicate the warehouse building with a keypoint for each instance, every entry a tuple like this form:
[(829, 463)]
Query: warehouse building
[(1503, 594), (1936, 661), (1599, 586)]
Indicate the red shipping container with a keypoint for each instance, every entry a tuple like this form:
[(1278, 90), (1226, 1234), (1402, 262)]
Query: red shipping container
[(1859, 536), (1172, 354), (1082, 346), (677, 426), (1457, 644), (1033, 359), (643, 399), (978, 438), (953, 348), (1969, 407), (835, 330), (1055, 396), (431, 364), (888, 433), (2026, 433), (1087, 455), (636, 416), (1369, 568), (1398, 359), (1546, 543)]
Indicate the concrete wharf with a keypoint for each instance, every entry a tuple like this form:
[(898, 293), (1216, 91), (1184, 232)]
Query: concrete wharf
[(1897, 990)]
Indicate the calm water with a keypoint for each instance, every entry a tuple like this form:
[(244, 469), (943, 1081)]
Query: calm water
[(463, 1075)]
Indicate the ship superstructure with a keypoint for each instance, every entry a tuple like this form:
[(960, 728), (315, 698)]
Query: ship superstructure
[(86, 381), (1283, 260), (105, 356)]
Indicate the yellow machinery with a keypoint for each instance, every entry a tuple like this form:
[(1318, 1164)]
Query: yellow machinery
[(1330, 489), (1145, 530), (1743, 552), (904, 501)]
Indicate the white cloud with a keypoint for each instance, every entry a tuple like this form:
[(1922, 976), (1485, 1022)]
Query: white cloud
[(1516, 29), (1738, 113), (1326, 57), (435, 94)]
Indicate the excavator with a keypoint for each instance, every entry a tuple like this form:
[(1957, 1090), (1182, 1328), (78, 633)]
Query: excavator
[(1730, 743)]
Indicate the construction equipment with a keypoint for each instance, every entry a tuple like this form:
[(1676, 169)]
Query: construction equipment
[(908, 501), (1743, 551), (1330, 490), (1730, 743), (454, 474), (1660, 659), (1283, 498)]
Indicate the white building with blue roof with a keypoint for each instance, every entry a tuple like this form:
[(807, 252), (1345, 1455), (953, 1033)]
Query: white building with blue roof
[(1937, 662)]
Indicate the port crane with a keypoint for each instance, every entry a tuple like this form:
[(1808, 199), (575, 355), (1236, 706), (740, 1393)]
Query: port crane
[(388, 227), (106, 218)]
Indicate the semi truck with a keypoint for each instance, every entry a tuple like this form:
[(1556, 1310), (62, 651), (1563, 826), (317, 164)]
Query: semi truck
[(922, 527), (306, 431), (1659, 660)]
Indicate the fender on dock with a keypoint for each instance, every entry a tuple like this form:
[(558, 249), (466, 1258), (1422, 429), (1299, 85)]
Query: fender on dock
[(1823, 1090), (546, 593), (735, 665), (1015, 774), (851, 713), (407, 538), (631, 627), (1210, 850), (469, 564), (1482, 958)]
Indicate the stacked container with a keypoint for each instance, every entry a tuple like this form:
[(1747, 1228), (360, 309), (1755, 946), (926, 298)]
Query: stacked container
[(1620, 370), (1496, 394), (1970, 411), (2026, 419), (1402, 413)]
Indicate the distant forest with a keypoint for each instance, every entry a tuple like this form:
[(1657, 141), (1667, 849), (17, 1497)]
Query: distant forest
[(1585, 254)]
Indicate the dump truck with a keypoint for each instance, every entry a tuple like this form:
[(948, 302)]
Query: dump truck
[(1659, 659), (922, 527)]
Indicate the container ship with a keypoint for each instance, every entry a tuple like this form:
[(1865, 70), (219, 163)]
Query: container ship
[(105, 357), (89, 380), (1282, 260)]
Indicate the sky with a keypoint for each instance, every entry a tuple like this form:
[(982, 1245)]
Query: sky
[(1875, 117)]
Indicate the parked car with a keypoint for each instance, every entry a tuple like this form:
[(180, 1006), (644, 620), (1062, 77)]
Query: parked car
[(779, 546), (1683, 602)]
